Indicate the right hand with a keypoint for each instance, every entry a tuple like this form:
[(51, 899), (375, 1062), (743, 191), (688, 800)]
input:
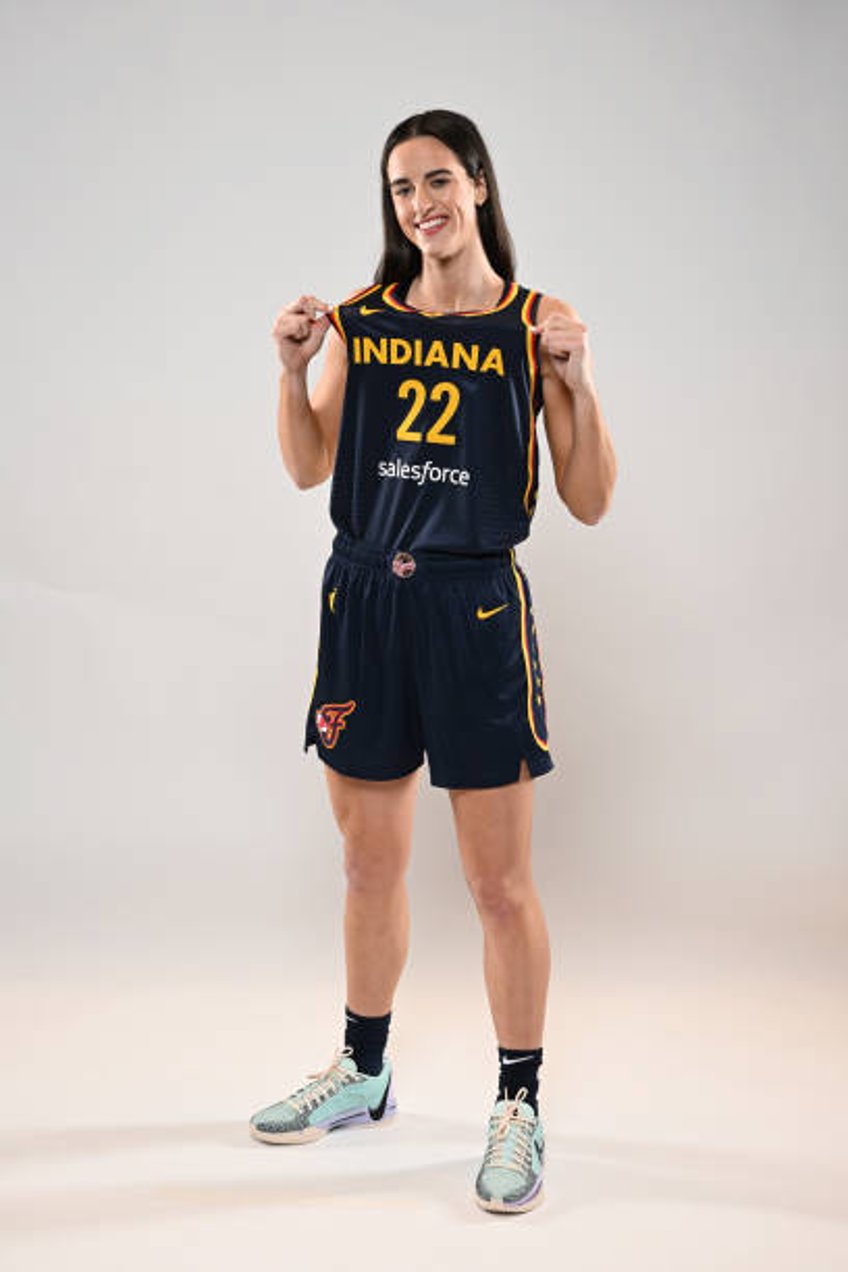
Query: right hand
[(299, 331)]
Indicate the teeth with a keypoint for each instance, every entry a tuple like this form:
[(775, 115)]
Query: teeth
[(429, 225)]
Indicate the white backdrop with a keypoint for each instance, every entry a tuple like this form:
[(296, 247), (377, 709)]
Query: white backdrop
[(172, 175)]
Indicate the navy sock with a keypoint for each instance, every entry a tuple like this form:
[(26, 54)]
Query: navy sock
[(367, 1035), (519, 1067)]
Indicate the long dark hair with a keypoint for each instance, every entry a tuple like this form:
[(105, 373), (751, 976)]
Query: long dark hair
[(401, 259)]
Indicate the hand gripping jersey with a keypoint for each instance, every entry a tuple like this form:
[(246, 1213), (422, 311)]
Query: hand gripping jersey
[(437, 446)]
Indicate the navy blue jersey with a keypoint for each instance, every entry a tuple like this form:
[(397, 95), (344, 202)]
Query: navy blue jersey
[(437, 447)]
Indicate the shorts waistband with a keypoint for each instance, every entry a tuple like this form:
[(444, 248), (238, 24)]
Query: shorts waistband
[(427, 560)]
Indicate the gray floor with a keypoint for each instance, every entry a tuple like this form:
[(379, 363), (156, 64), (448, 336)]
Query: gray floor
[(693, 1104)]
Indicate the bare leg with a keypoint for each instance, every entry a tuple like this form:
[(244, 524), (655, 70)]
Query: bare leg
[(493, 828), (376, 820)]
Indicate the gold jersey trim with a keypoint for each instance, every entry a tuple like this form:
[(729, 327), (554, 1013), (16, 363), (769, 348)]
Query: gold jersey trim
[(335, 316), (526, 651), (533, 366), (391, 300)]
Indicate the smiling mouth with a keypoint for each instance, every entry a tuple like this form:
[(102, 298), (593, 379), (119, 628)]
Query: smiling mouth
[(432, 226)]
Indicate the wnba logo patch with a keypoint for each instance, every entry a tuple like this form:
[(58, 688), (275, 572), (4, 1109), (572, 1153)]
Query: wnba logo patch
[(330, 719)]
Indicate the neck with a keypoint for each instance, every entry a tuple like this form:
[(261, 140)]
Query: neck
[(466, 281)]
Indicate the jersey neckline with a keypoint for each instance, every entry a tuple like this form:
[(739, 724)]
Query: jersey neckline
[(391, 298)]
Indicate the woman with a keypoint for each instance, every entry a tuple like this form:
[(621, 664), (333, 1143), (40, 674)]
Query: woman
[(425, 415)]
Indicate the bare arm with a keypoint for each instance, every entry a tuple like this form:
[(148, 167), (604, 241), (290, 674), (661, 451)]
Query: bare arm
[(581, 448), (308, 428)]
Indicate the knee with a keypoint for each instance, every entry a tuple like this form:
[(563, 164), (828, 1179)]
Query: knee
[(500, 896), (371, 868)]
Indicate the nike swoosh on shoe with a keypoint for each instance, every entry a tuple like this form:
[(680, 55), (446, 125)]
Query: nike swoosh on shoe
[(378, 1112)]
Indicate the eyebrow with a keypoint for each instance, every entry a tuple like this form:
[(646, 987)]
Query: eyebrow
[(435, 172)]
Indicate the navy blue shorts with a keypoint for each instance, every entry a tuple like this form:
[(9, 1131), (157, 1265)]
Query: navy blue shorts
[(434, 653)]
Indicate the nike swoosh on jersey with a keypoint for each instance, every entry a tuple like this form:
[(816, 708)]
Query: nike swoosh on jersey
[(363, 309), (481, 613)]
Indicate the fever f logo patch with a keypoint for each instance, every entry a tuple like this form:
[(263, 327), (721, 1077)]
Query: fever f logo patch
[(330, 719)]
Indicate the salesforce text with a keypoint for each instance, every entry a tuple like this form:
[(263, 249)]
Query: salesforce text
[(420, 473)]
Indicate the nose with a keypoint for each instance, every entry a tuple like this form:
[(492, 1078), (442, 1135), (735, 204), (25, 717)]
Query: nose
[(421, 203)]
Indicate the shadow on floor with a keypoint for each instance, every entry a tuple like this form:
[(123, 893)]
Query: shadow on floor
[(430, 1160)]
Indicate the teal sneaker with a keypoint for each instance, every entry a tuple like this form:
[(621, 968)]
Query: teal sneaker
[(337, 1096), (510, 1178)]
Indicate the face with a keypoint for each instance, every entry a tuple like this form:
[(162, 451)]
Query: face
[(434, 198)]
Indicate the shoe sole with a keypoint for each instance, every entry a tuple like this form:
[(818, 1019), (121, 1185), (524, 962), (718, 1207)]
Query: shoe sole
[(289, 1137), (511, 1208), (310, 1133)]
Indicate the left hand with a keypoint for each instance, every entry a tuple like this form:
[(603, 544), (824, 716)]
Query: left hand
[(566, 340)]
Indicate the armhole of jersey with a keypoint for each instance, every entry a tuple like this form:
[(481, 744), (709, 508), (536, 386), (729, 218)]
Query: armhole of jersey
[(356, 296), (529, 316), (335, 315), (336, 319), (529, 311)]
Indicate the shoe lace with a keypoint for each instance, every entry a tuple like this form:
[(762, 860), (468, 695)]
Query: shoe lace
[(510, 1135), (325, 1082)]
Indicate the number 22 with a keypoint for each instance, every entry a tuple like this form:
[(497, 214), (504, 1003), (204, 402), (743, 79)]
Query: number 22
[(418, 391)]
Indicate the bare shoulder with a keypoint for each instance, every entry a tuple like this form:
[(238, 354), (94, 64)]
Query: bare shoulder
[(553, 305)]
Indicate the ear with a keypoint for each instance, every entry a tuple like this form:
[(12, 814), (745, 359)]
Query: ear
[(481, 189)]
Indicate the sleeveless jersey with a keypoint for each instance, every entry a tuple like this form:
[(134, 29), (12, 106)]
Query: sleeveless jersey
[(437, 445)]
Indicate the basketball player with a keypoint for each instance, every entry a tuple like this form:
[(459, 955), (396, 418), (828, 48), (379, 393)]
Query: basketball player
[(425, 416)]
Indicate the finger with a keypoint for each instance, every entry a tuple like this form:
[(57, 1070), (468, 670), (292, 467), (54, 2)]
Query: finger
[(308, 305), (561, 348), (316, 308), (295, 306), (296, 330), (571, 324)]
